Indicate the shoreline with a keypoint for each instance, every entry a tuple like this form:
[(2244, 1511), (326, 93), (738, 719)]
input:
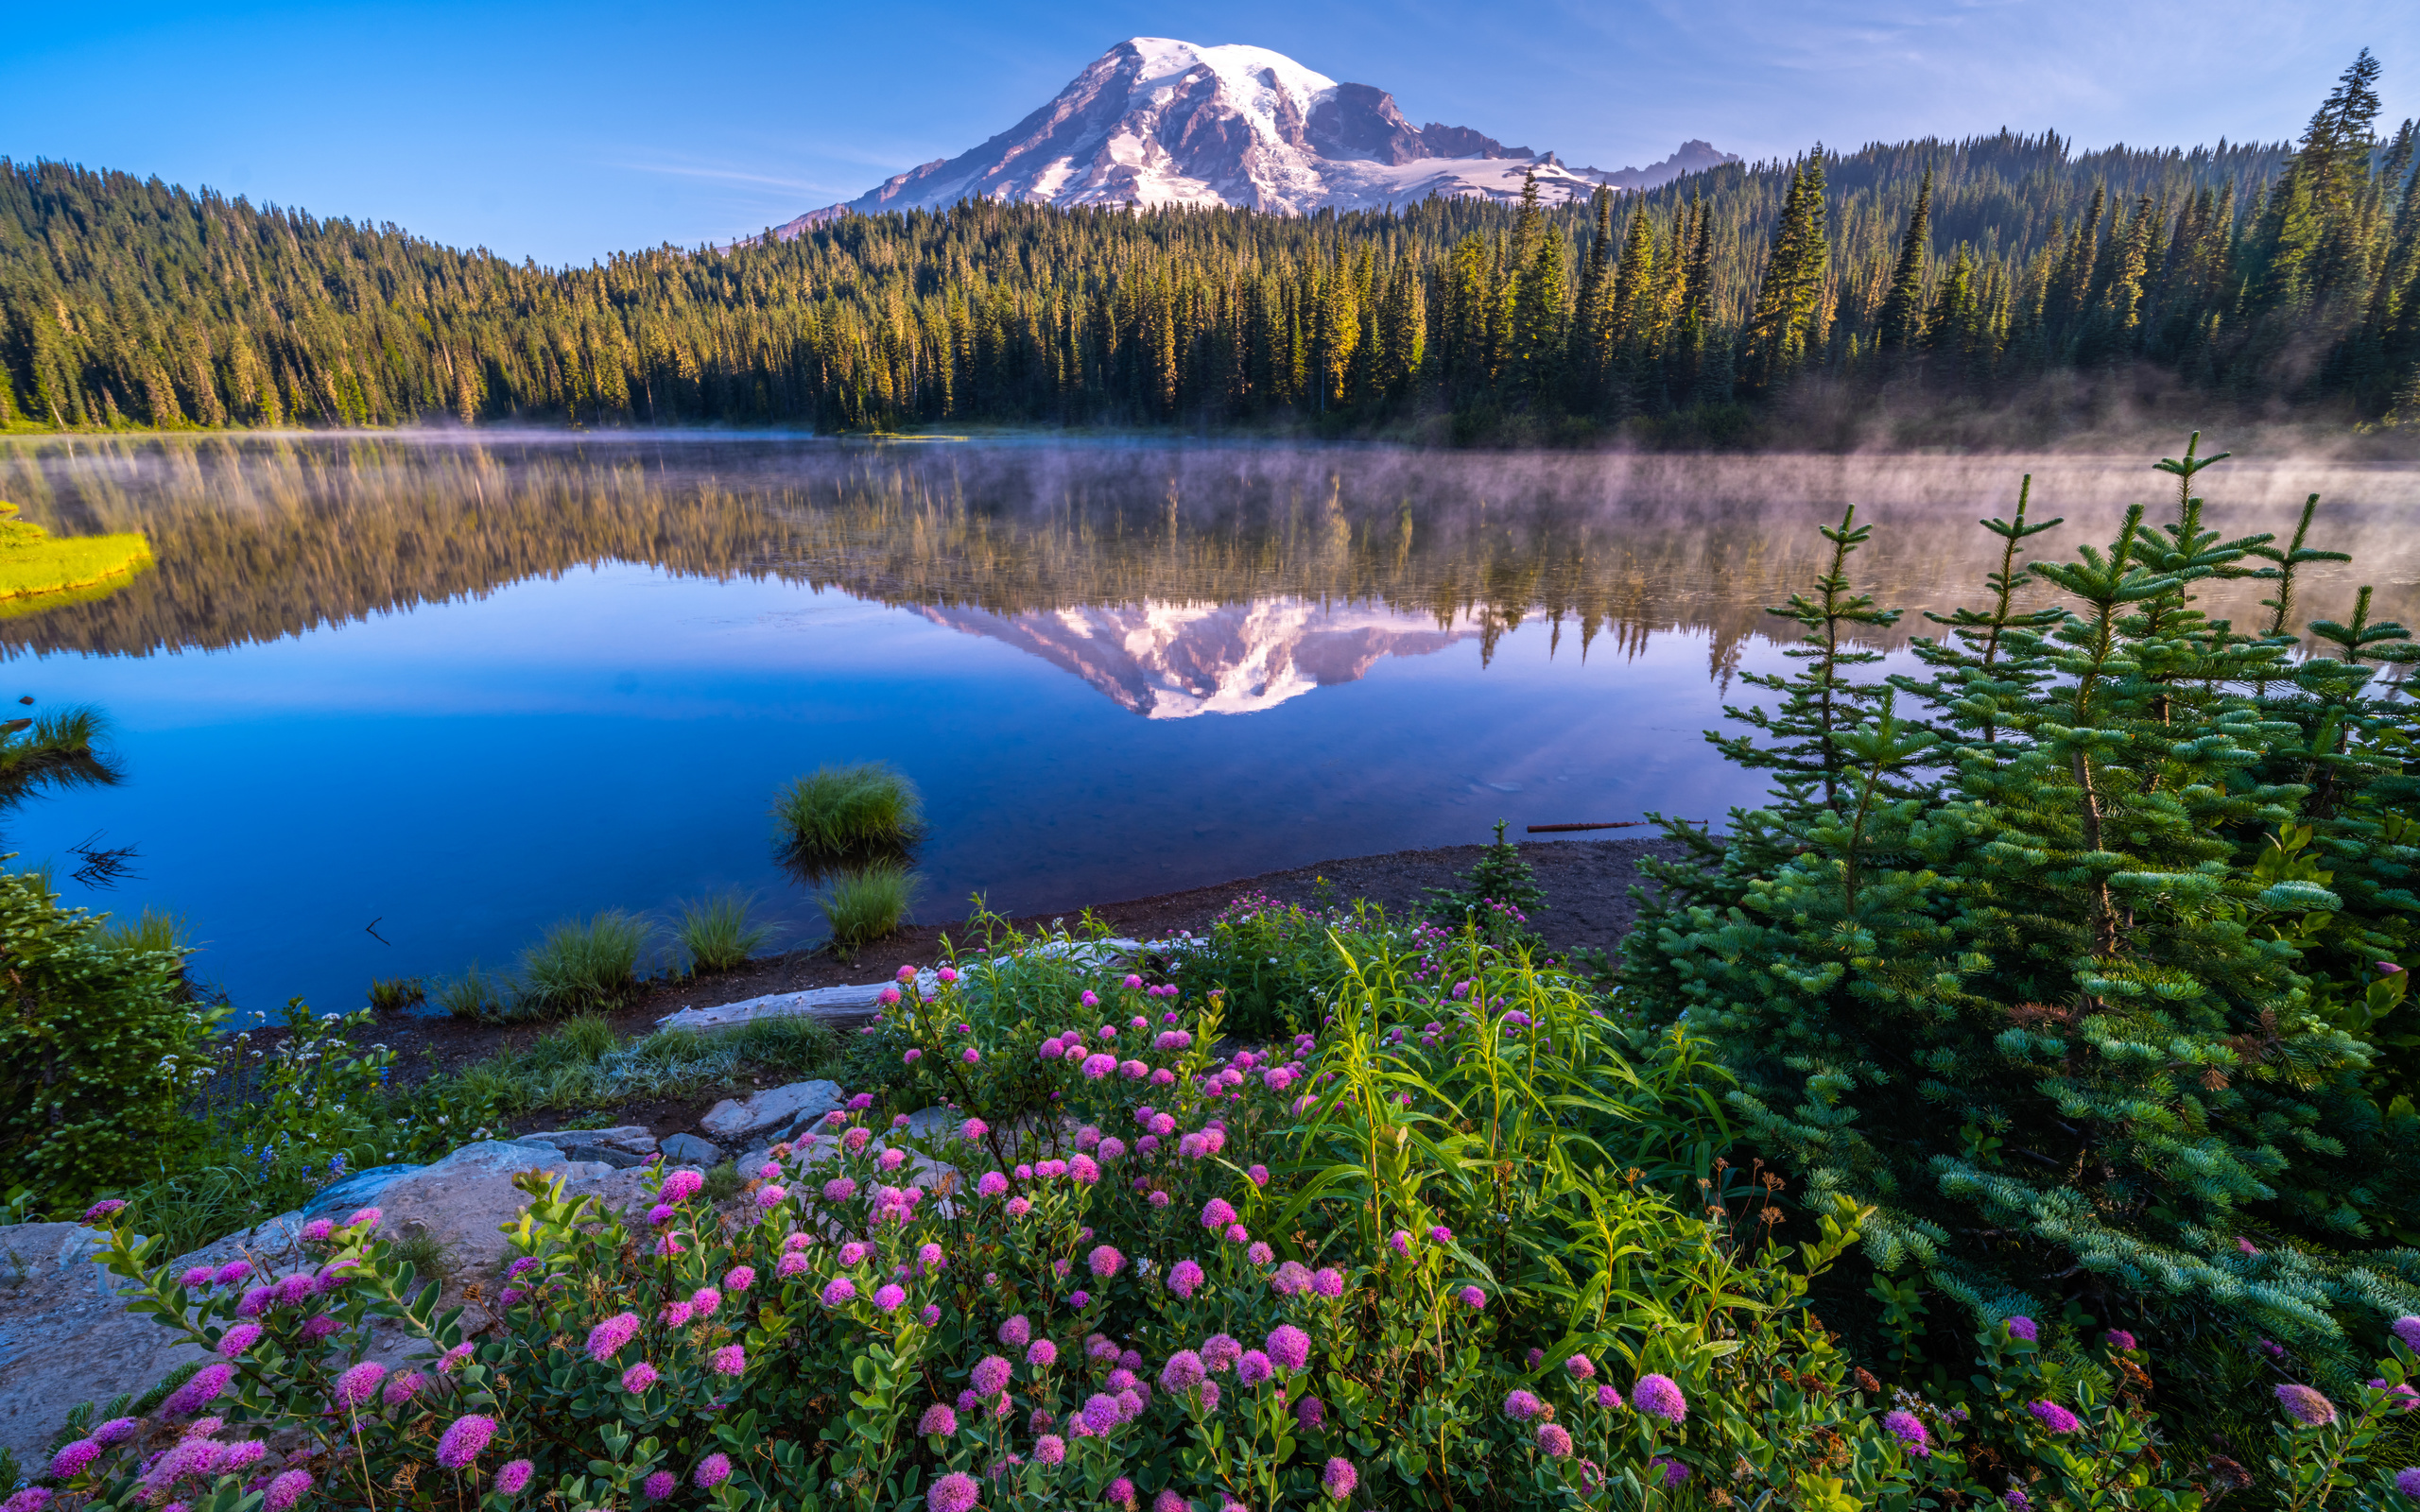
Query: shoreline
[(1586, 882)]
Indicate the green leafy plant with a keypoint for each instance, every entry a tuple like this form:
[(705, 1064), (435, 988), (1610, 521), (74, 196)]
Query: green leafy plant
[(96, 1047), (1272, 960)]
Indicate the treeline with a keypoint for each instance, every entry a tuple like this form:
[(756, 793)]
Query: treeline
[(2262, 272)]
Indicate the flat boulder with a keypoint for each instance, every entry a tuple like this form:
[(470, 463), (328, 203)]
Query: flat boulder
[(733, 1120), (63, 1337), (464, 1200)]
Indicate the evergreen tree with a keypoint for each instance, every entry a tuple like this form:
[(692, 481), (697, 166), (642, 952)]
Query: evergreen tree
[(1781, 327), (1901, 326), (2062, 1010)]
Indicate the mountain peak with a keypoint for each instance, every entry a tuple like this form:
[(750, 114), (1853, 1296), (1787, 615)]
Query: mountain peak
[(1155, 121)]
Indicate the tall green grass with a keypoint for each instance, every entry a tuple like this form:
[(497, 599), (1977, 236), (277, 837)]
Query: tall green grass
[(395, 995), (863, 905), (582, 965), (850, 811), (148, 931), (716, 933), (476, 995)]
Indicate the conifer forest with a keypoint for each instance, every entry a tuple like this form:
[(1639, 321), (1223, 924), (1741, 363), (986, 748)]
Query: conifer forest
[(2265, 273)]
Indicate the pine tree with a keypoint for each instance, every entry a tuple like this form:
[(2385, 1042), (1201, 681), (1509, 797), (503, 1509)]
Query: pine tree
[(1901, 326), (2051, 1010), (1781, 327)]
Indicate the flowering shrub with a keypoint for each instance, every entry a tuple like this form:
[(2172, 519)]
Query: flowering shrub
[(1406, 1262)]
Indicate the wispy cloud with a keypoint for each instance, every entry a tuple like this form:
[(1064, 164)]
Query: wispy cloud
[(719, 174)]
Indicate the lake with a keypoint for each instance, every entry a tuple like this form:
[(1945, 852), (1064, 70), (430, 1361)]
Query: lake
[(392, 704)]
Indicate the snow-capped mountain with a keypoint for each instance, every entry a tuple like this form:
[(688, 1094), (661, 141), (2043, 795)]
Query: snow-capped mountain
[(1159, 122), (1176, 660)]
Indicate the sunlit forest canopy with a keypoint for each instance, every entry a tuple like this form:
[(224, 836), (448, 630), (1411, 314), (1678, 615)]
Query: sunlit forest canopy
[(2250, 271)]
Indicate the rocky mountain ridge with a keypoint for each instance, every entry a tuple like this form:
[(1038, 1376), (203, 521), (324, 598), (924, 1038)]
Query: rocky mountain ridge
[(1154, 121)]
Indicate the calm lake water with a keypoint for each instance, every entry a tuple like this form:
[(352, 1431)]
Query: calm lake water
[(392, 705)]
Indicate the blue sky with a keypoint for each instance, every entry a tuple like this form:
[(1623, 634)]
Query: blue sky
[(565, 132)]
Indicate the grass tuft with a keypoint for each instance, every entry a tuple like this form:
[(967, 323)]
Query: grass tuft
[(430, 1259), (476, 995), (863, 905), (717, 934), (582, 966), (850, 811), (148, 931), (393, 994)]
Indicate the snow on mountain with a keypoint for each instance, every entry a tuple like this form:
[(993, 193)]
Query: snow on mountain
[(1155, 122), (1176, 660)]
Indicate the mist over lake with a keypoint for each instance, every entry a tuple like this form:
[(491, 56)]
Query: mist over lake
[(391, 705)]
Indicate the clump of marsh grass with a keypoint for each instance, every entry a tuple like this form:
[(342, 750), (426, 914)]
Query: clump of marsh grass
[(393, 994), (148, 931), (716, 933), (476, 995), (836, 814), (864, 904), (582, 965)]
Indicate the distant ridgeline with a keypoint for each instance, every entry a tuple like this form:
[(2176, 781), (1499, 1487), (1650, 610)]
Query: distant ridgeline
[(1974, 268)]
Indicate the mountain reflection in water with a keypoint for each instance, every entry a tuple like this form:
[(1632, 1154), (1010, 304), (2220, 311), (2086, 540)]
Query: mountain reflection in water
[(473, 685)]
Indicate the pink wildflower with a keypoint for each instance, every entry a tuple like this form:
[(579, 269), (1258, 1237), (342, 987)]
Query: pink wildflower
[(1340, 1478), (357, 1385), (464, 1441)]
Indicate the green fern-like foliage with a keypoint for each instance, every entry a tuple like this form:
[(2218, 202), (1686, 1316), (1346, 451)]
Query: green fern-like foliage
[(2065, 954)]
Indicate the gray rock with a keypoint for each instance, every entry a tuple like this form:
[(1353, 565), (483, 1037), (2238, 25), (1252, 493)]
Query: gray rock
[(63, 1336), (687, 1149), (613, 1155), (631, 1137), (355, 1192), (732, 1121)]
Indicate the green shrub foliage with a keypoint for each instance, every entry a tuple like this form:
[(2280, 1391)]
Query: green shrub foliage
[(2066, 955), (95, 1042)]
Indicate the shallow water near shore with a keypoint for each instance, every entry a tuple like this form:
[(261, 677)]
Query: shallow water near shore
[(389, 705)]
